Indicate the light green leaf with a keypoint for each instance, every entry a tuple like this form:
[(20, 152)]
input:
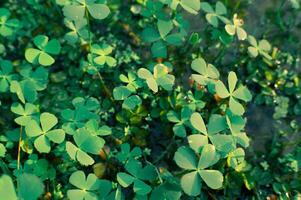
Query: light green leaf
[(98, 11), (213, 178), (124, 179), (196, 141), (197, 122), (191, 183), (7, 189), (121, 93), (207, 156), (185, 158)]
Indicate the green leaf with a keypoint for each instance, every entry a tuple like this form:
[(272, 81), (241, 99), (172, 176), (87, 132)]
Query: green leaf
[(150, 35), (124, 179), (98, 11), (159, 50), (32, 55), (45, 59), (7, 189), (121, 93), (74, 12), (232, 80), (191, 183), (196, 141), (132, 102), (236, 107), (164, 27), (221, 90), (191, 6), (30, 186), (185, 158), (213, 178), (2, 150), (197, 122), (86, 187), (207, 156), (141, 188), (15, 87), (48, 121)]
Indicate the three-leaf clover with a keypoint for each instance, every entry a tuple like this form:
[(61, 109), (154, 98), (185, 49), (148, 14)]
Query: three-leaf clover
[(191, 182), (179, 128), (207, 72), (137, 175), (6, 75), (159, 78), (236, 28), (86, 187), (84, 110), (27, 112), (86, 143), (45, 47), (7, 26), (131, 80), (101, 55), (78, 9), (78, 30), (262, 47), (212, 15), (217, 123), (130, 101), (164, 36), (41, 131), (241, 93), (126, 153)]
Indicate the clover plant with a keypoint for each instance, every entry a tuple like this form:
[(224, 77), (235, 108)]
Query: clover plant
[(115, 100)]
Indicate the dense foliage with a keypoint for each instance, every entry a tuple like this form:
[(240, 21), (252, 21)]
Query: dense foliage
[(149, 99)]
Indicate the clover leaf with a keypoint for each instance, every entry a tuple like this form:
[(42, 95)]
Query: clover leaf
[(131, 80), (130, 101), (86, 143), (84, 110), (241, 93), (126, 153), (29, 187), (39, 167), (212, 15), (236, 28), (179, 128), (86, 187), (191, 6), (217, 123), (159, 78), (167, 32), (77, 10), (93, 128), (6, 75), (101, 54), (191, 182), (7, 188), (45, 47), (207, 73), (262, 48), (41, 131), (78, 30), (27, 112), (7, 26), (137, 175)]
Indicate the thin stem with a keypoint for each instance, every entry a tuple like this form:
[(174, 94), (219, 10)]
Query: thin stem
[(19, 149), (89, 27), (106, 89)]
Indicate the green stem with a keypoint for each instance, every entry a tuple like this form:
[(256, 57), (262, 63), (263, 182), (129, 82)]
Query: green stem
[(106, 89)]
